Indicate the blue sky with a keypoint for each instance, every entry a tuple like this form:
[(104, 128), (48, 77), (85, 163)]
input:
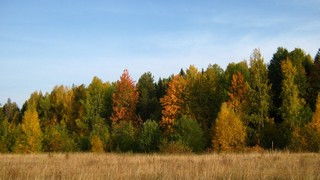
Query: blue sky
[(47, 43)]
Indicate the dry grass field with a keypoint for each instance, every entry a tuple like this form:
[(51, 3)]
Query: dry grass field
[(159, 166)]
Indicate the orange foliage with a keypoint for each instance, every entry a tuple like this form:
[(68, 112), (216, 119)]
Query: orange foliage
[(125, 99), (237, 91), (172, 102)]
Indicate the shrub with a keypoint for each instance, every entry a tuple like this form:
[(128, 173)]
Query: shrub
[(57, 139), (123, 136), (174, 147), (96, 144), (188, 131), (149, 137)]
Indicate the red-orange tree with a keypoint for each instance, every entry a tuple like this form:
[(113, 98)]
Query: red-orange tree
[(173, 103), (125, 99), (237, 92)]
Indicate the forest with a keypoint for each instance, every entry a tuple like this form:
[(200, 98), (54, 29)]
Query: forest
[(254, 104)]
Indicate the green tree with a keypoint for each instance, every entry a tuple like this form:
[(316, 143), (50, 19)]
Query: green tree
[(149, 137), (275, 78), (148, 101), (11, 112), (123, 136), (291, 107), (314, 81), (259, 97), (229, 131), (188, 131)]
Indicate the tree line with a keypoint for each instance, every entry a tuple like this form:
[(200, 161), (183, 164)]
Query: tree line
[(249, 104)]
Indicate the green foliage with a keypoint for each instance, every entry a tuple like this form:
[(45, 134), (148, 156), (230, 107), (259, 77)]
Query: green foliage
[(275, 75), (123, 136), (188, 131), (57, 139), (271, 107), (101, 131), (259, 99), (148, 139), (148, 102)]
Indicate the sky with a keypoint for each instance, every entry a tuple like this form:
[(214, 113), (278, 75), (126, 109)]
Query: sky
[(46, 43)]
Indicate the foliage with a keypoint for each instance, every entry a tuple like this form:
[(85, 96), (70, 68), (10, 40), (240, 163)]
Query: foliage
[(148, 103), (31, 139), (125, 99), (96, 144), (57, 139), (276, 105), (173, 103), (188, 131), (148, 139), (259, 100), (123, 136), (229, 133)]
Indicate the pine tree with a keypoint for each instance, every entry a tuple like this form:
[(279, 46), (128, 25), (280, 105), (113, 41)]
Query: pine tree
[(259, 95)]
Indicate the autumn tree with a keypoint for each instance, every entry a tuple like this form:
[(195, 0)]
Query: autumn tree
[(315, 122), (258, 96), (125, 99), (237, 92), (173, 103), (237, 76), (31, 137), (229, 131)]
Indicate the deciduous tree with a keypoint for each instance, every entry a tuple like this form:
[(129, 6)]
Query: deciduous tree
[(229, 133), (173, 103), (125, 99)]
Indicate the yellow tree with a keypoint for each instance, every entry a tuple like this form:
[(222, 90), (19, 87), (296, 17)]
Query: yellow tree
[(172, 103), (125, 99), (30, 140), (237, 92), (229, 132)]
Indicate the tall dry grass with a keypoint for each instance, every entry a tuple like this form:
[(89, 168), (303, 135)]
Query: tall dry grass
[(158, 166)]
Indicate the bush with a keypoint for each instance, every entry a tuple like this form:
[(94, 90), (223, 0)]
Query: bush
[(174, 147), (101, 131), (96, 144), (149, 137), (305, 139), (123, 136), (57, 139), (188, 131)]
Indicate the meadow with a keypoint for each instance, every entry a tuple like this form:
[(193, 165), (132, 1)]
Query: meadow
[(276, 165)]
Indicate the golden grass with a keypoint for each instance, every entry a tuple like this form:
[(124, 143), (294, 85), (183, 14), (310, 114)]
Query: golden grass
[(159, 166)]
